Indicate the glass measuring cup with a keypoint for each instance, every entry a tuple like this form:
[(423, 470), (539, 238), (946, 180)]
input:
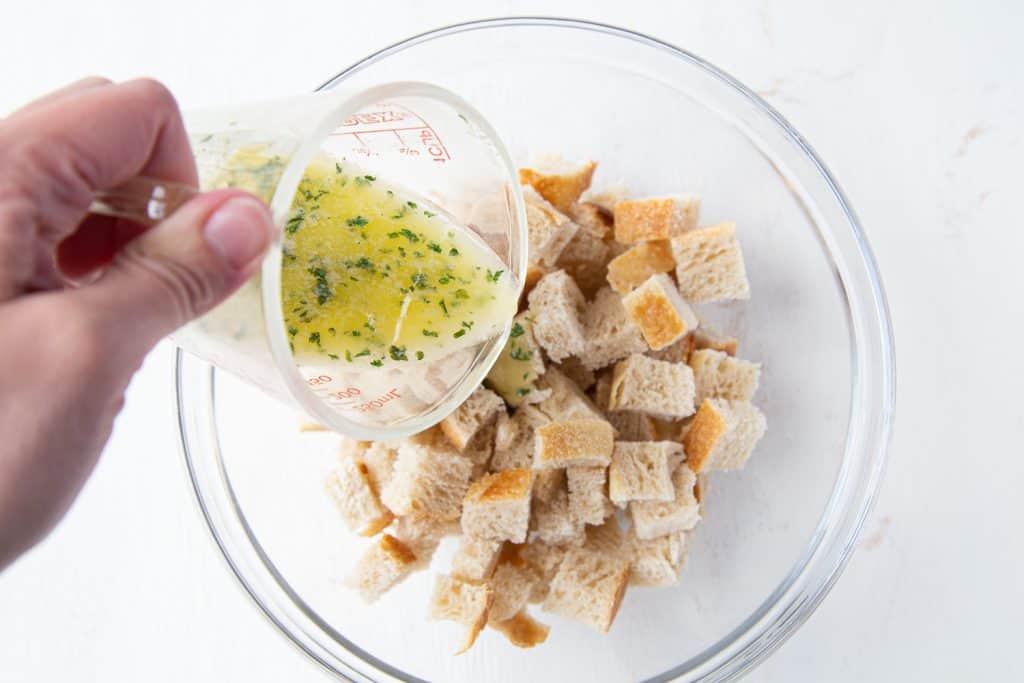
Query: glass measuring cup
[(407, 135)]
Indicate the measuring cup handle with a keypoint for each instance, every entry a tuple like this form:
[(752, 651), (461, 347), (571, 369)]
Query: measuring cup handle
[(143, 200)]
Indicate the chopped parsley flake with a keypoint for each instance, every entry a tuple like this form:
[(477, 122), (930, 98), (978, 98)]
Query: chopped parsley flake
[(434, 246), (517, 331), (357, 221), (522, 391), (459, 333), (364, 352), (332, 356), (294, 223), (314, 338), (492, 276), (398, 353), (377, 363), (453, 252), (429, 333), (292, 331), (419, 355), (519, 354), (461, 294)]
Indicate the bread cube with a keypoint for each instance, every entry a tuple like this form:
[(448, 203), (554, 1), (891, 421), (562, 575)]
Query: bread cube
[(678, 351), (476, 558), (709, 264), (606, 538), (585, 259), (565, 401), (609, 333), (547, 484), (350, 488), (422, 535), (607, 196), (553, 522), (522, 630), (657, 561), (548, 230), (707, 337), (655, 218), (723, 435), (462, 602), (589, 587), (642, 470), (660, 313), (515, 443), (632, 426), (576, 442), (717, 375), (659, 518), (497, 506), (382, 566), (512, 585), (654, 387), (556, 305), (581, 376), (478, 411), (544, 559), (430, 478), (594, 218), (558, 181), (632, 268), (379, 460), (519, 364), (588, 498)]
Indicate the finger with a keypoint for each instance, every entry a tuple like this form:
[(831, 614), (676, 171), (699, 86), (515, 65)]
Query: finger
[(178, 270), (52, 159), (74, 88), (94, 244)]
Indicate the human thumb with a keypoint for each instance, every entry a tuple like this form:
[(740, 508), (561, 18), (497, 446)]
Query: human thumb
[(180, 269)]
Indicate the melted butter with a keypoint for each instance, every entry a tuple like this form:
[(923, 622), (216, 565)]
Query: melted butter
[(374, 276)]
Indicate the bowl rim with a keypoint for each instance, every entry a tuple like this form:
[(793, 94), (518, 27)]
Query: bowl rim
[(787, 607)]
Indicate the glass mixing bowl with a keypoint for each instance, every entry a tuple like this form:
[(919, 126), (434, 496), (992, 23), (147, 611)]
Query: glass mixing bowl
[(775, 536)]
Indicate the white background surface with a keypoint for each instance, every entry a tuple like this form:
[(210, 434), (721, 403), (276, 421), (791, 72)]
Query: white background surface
[(916, 107)]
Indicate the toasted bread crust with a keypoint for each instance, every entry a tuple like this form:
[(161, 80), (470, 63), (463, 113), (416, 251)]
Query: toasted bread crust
[(705, 431)]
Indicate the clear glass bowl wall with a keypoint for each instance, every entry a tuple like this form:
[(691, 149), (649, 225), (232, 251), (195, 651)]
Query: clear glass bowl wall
[(776, 535)]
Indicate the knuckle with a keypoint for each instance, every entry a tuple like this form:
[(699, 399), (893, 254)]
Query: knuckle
[(184, 289)]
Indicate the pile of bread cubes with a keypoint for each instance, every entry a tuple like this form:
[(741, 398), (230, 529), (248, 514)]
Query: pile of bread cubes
[(579, 469)]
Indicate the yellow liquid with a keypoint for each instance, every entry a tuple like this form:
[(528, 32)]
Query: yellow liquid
[(372, 276)]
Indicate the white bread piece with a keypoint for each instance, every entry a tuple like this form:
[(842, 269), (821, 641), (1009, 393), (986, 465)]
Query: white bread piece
[(512, 585), (522, 630), (660, 389), (678, 351), (723, 435), (631, 268), (657, 561), (655, 218), (609, 333), (497, 506), (477, 412), (476, 558), (556, 305), (707, 337), (633, 426), (589, 587), (658, 518), (422, 535), (544, 559), (519, 364), (718, 375), (585, 259), (350, 488), (607, 196), (565, 401), (379, 459), (352, 448), (548, 483), (593, 218), (574, 443), (552, 521), (574, 370), (660, 313), (642, 470), (606, 538), (514, 444), (603, 391), (382, 566), (709, 264), (307, 426), (588, 497), (559, 181), (549, 230), (429, 479), (463, 602)]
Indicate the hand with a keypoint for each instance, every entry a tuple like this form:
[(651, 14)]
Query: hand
[(68, 353)]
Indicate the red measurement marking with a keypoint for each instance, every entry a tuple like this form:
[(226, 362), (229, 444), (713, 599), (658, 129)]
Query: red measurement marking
[(426, 138), (318, 380), (380, 401)]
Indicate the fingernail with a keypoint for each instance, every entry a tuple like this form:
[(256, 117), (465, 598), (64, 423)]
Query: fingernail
[(239, 230)]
